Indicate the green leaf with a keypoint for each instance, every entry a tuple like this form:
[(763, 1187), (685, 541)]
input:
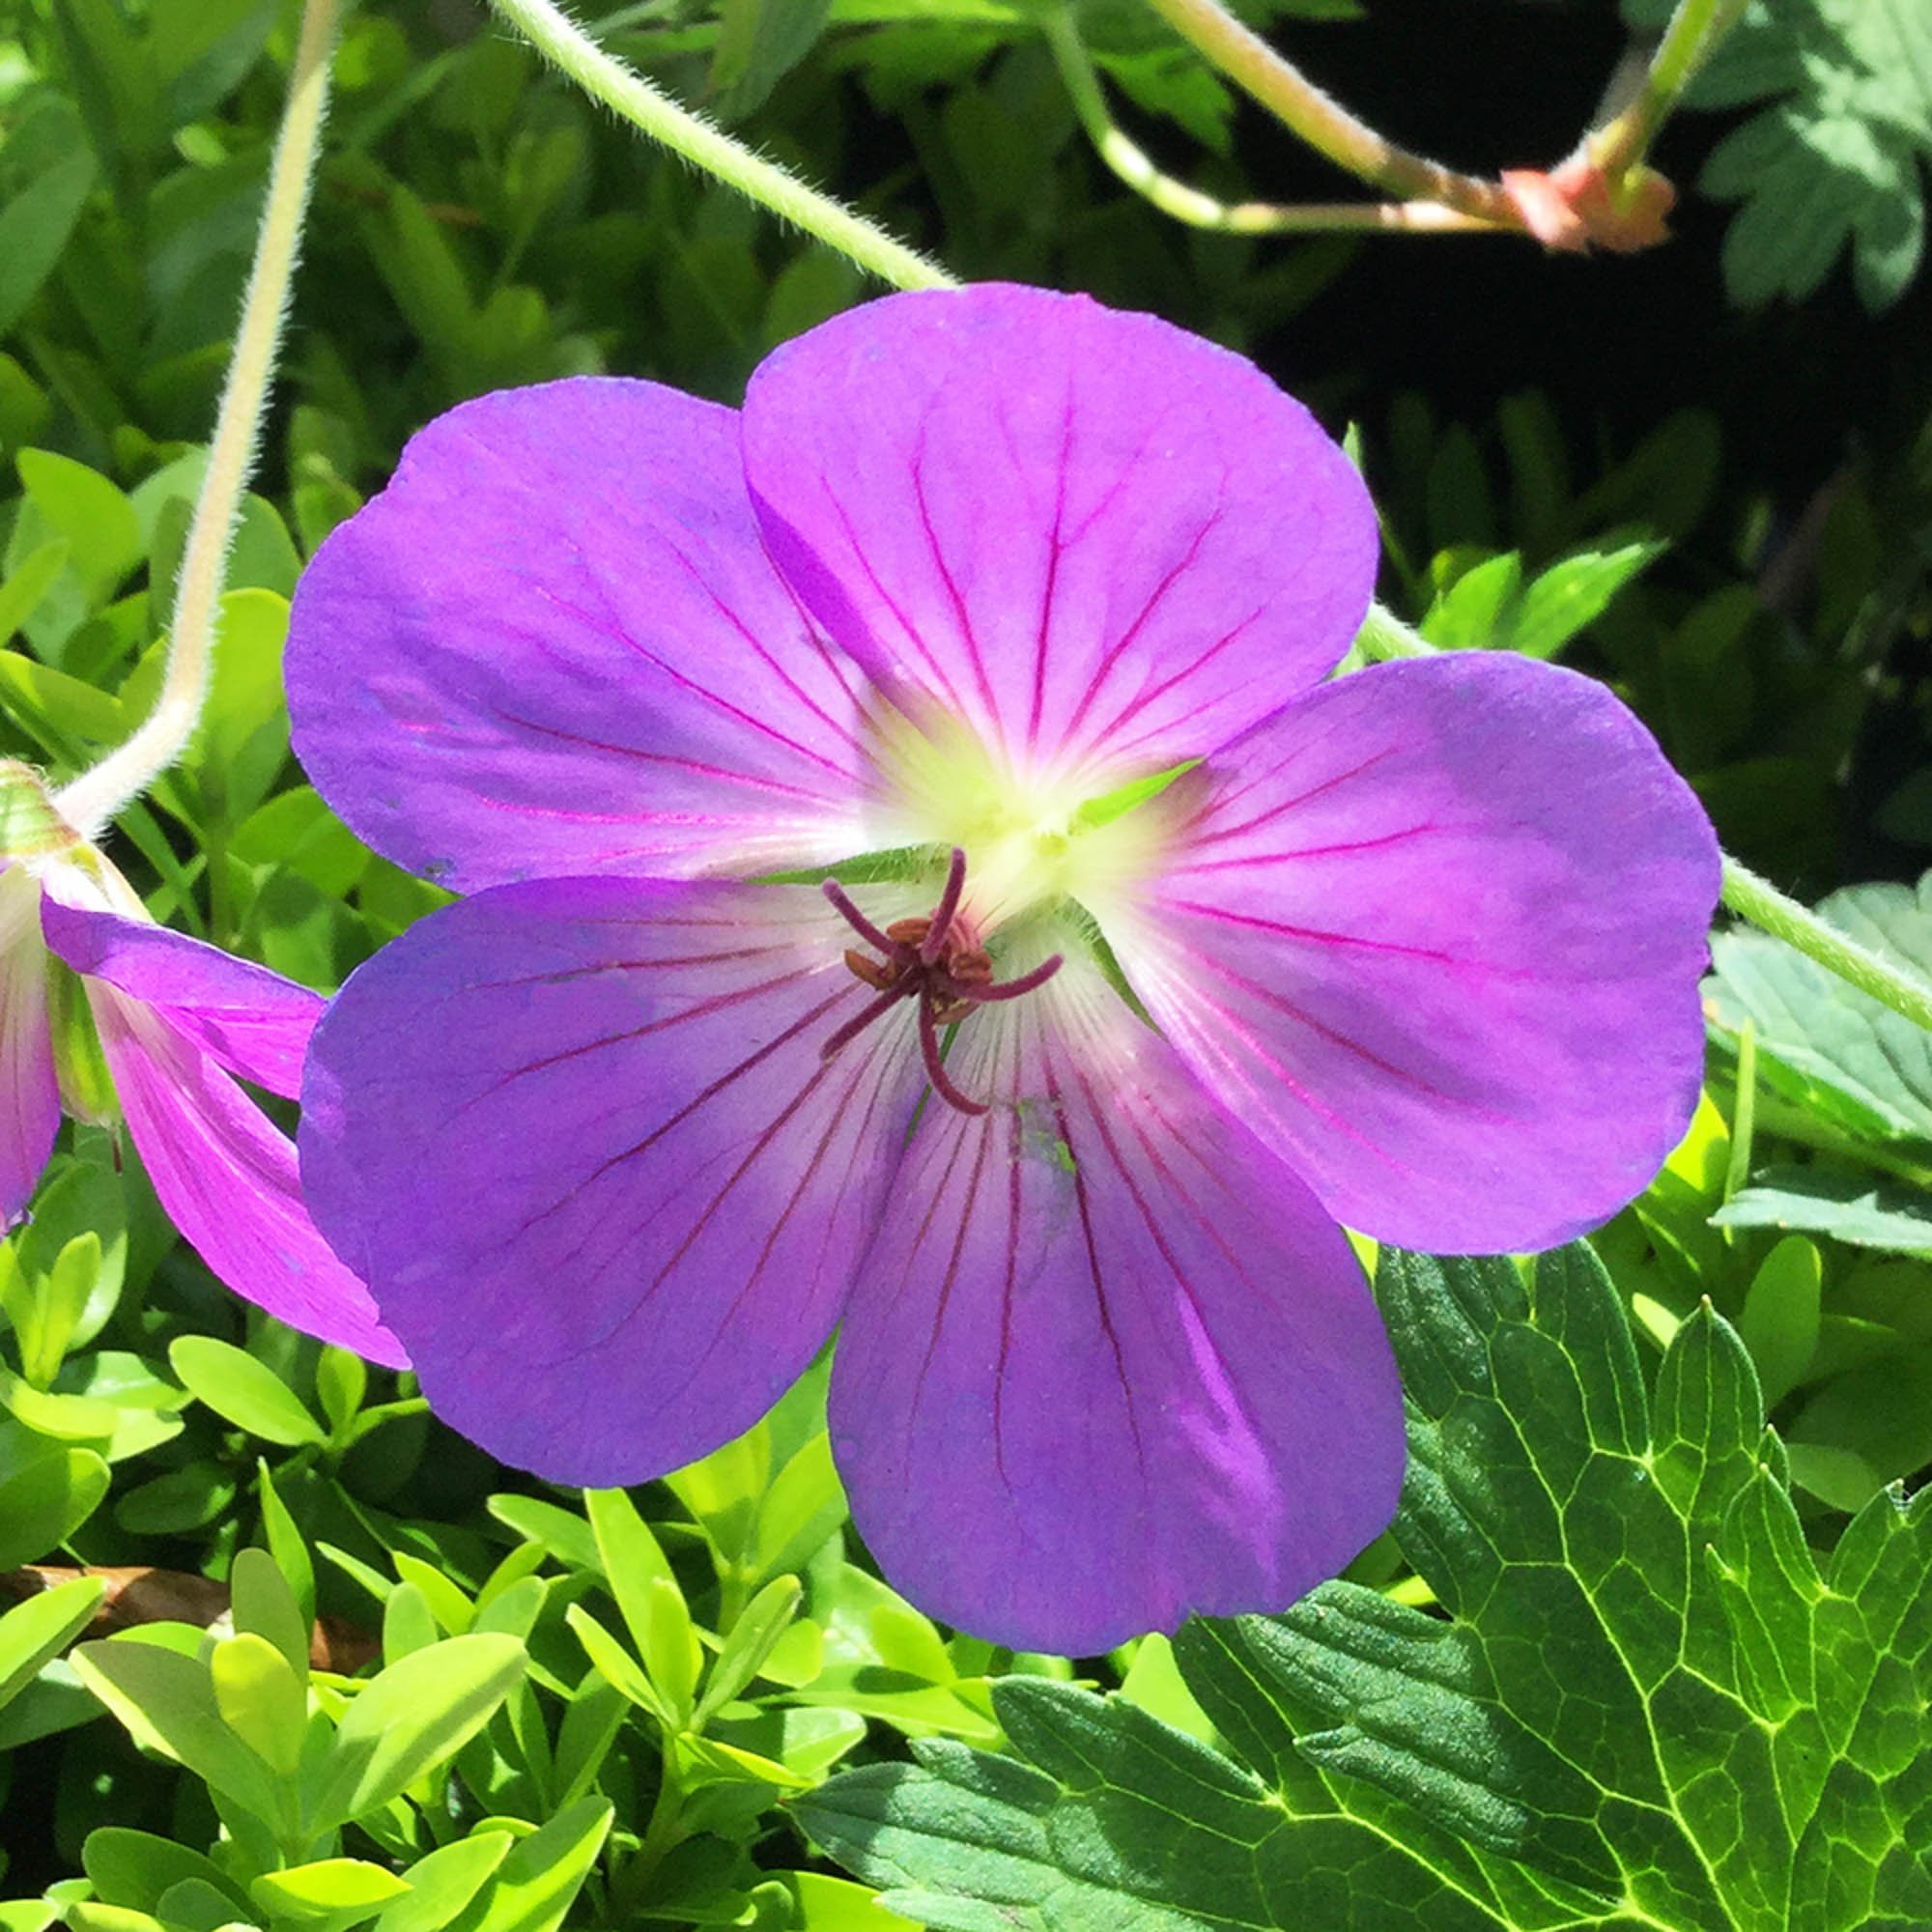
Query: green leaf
[(1780, 1315), (1850, 1207), (1573, 593), (264, 1602), (763, 1621), (35, 224), (39, 1629), (542, 1874), (136, 1870), (445, 1882), (648, 1595), (340, 1891), (1821, 1043), (758, 43), (413, 1718), (1834, 157), (45, 1500), (261, 1700), (243, 1391), (1640, 1704), (167, 1703)]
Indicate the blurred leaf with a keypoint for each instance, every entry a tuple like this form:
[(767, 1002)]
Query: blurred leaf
[(1780, 1321), (759, 42)]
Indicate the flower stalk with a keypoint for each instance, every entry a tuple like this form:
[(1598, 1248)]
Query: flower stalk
[(1384, 636), (1240, 53), (648, 108), (89, 802), (1133, 165), (1690, 40)]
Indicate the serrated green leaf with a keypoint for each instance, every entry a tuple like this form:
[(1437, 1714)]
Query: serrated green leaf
[(1834, 157), (1644, 1707), (1850, 1207)]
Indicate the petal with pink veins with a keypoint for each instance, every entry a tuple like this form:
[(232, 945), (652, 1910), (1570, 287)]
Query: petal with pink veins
[(1101, 543), (554, 644), (1108, 1362), (579, 1136), (226, 1176), (1436, 934), (29, 1093), (254, 1022)]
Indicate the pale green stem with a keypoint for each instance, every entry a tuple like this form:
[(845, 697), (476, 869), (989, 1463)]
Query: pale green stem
[(1743, 1112), (1383, 634), (1765, 906), (1325, 124), (90, 801), (1689, 41), (1137, 169), (628, 94)]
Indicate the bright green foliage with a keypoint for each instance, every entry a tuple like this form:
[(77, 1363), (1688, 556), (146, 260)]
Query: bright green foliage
[(1646, 1707)]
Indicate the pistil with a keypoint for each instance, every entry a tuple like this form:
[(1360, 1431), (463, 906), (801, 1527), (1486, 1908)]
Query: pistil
[(929, 961)]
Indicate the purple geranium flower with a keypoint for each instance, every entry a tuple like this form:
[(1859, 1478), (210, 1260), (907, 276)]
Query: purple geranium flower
[(174, 1022), (620, 1138)]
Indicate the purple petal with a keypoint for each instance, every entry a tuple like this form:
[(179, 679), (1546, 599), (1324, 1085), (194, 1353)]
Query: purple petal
[(252, 1021), (1108, 1362), (227, 1178), (1105, 544), (29, 1093), (1436, 933), (577, 1136), (554, 644)]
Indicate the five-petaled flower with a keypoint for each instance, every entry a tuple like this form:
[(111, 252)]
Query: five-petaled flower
[(1011, 614), (114, 1016)]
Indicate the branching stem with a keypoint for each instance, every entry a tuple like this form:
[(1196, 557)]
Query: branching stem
[(1134, 167), (1240, 53)]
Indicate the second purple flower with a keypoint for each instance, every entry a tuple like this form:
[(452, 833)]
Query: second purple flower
[(1151, 955)]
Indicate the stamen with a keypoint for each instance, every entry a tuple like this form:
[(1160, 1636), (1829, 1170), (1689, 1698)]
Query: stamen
[(935, 1068), (854, 918), (922, 961), (1011, 989), (934, 943)]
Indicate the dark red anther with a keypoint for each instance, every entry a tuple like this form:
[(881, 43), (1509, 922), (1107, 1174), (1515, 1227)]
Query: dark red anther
[(925, 960)]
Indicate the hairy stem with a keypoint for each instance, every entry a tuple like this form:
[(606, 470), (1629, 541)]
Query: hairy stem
[(1759, 901), (1134, 167), (1689, 41), (628, 94), (90, 801), (1383, 634), (1325, 124)]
